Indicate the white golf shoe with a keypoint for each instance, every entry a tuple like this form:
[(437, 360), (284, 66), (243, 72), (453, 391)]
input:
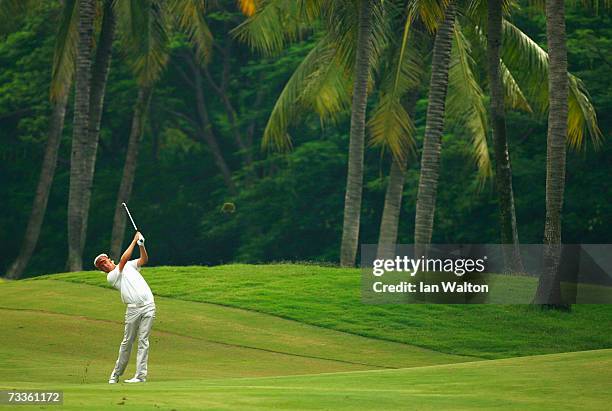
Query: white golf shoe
[(113, 381), (134, 380)]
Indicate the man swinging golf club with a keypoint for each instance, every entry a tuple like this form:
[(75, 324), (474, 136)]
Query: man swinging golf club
[(140, 312)]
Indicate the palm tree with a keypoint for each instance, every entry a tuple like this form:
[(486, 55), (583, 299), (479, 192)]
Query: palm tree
[(89, 96), (59, 91), (63, 72), (391, 126), (79, 183), (503, 169), (350, 43), (319, 82), (549, 287), (389, 223), (523, 66), (430, 158), (354, 180), (45, 180)]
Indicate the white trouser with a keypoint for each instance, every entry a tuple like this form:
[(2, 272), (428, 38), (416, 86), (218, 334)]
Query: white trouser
[(138, 323)]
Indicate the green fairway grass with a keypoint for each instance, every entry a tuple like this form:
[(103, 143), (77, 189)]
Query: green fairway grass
[(571, 381), (330, 297), (207, 352), (233, 342)]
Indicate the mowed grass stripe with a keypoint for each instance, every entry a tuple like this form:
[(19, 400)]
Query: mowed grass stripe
[(221, 325), (52, 348), (569, 381), (83, 318)]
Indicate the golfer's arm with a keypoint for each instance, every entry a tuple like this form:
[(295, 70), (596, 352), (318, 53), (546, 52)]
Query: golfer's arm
[(144, 256), (126, 255)]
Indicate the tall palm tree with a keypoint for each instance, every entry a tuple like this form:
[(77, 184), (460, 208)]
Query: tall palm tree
[(90, 87), (59, 91), (503, 169), (432, 142), (99, 77), (63, 72), (523, 66), (354, 180), (389, 223), (391, 124), (81, 171), (349, 44), (45, 180), (549, 287), (318, 84)]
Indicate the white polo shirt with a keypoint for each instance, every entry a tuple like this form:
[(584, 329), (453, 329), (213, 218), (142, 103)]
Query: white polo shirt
[(134, 289)]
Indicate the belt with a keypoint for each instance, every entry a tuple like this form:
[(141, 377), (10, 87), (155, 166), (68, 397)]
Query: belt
[(139, 305)]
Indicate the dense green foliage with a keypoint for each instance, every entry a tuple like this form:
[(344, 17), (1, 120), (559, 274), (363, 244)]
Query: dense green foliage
[(331, 297), (288, 207)]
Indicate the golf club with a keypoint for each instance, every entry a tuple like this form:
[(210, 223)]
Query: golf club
[(129, 215), (141, 239)]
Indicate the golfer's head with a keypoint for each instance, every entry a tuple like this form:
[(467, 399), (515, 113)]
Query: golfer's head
[(104, 263)]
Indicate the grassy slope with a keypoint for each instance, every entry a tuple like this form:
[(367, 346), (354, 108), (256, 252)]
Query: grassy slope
[(330, 297), (63, 335), (82, 327)]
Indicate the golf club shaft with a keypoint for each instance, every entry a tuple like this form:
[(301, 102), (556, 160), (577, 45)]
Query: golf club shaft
[(129, 215)]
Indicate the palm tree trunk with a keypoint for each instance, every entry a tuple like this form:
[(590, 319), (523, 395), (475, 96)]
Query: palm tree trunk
[(99, 79), (354, 181), (100, 70), (129, 169), (432, 141), (80, 181), (503, 169), (549, 287), (39, 205), (393, 199), (389, 222)]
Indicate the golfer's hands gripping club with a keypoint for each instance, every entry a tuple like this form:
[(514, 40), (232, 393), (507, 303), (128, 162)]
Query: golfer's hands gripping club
[(139, 238)]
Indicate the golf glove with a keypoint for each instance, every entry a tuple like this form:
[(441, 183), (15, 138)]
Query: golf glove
[(141, 240)]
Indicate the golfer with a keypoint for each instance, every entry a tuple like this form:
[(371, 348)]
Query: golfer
[(140, 312)]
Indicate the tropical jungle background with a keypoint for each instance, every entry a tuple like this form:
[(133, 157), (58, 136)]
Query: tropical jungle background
[(230, 127)]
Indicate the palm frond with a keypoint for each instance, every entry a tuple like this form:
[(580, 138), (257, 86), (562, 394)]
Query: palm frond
[(277, 22), (327, 90), (64, 55), (189, 15), (465, 101), (529, 62), (297, 94), (577, 124), (430, 12), (513, 96), (390, 125), (341, 24), (143, 28), (476, 10)]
